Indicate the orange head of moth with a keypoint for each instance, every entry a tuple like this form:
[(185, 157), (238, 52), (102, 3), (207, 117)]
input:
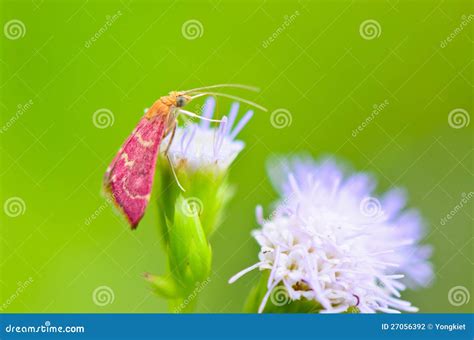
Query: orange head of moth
[(176, 99), (167, 106)]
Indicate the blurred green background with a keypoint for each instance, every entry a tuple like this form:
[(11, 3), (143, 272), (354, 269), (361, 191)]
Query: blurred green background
[(319, 67)]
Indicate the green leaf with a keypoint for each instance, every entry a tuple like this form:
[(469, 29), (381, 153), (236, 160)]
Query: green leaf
[(281, 304), (164, 286), (352, 310)]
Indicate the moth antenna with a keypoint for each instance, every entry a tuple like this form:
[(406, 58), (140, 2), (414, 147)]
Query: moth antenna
[(174, 173), (194, 115), (197, 95), (238, 86)]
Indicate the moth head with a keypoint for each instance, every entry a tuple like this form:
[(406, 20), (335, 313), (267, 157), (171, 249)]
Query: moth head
[(182, 100)]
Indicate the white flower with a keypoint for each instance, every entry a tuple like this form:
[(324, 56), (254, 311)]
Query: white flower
[(332, 241), (200, 145)]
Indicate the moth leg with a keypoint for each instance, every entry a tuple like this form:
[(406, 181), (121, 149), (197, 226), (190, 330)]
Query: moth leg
[(174, 172), (173, 131), (171, 139)]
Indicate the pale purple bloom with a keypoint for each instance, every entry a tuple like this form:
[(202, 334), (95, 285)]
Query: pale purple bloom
[(200, 144), (332, 240)]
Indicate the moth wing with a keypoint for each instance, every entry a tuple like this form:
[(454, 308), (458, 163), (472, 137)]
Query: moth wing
[(129, 179)]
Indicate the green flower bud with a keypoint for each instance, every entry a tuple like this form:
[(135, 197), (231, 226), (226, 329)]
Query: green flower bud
[(189, 251)]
